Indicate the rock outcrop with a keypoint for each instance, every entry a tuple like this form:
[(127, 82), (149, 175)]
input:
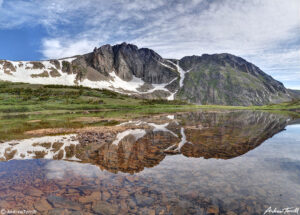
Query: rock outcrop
[(129, 61)]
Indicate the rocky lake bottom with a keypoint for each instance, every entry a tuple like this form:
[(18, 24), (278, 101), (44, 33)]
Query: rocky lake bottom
[(201, 162)]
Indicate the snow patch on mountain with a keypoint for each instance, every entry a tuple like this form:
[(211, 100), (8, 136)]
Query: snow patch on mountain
[(182, 72), (70, 59), (165, 65), (25, 71), (116, 84)]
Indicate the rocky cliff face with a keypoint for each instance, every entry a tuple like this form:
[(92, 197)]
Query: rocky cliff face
[(208, 79), (227, 79), (128, 61)]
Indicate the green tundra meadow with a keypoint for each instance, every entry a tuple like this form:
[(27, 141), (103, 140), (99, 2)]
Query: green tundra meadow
[(25, 107)]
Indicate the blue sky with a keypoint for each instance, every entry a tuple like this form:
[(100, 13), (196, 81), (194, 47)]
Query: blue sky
[(264, 32)]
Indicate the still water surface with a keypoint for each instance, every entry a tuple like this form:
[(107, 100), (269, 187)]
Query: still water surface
[(205, 162)]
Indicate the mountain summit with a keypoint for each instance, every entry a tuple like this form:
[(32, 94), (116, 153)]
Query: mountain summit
[(222, 79)]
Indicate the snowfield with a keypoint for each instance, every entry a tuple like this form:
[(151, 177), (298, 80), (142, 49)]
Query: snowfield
[(24, 72)]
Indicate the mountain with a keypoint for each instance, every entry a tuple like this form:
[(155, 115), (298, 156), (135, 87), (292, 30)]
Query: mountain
[(295, 93), (227, 79), (208, 79)]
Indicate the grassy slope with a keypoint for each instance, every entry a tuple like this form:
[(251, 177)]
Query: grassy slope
[(20, 97), (25, 107), (24, 98)]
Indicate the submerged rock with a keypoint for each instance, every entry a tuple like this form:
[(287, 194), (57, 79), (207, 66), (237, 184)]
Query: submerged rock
[(102, 207)]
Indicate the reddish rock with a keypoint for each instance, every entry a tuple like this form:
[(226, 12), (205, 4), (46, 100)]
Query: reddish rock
[(213, 209), (102, 207), (123, 193), (33, 192), (42, 205), (95, 196), (105, 195), (231, 213)]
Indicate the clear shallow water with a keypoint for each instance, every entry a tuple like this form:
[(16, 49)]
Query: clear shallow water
[(230, 163)]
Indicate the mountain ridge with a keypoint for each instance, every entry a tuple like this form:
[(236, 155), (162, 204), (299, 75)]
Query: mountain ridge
[(207, 79)]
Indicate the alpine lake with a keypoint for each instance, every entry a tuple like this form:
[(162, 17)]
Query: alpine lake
[(198, 162)]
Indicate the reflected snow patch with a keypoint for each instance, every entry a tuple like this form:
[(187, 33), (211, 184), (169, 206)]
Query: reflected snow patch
[(137, 133), (33, 147)]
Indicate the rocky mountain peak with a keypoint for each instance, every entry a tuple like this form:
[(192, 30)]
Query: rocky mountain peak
[(208, 79), (128, 61)]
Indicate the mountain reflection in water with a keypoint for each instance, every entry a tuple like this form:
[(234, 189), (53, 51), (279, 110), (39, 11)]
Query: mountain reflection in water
[(144, 143), (205, 162)]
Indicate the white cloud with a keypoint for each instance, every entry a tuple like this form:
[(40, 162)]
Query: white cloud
[(242, 27), (58, 48), (282, 64)]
